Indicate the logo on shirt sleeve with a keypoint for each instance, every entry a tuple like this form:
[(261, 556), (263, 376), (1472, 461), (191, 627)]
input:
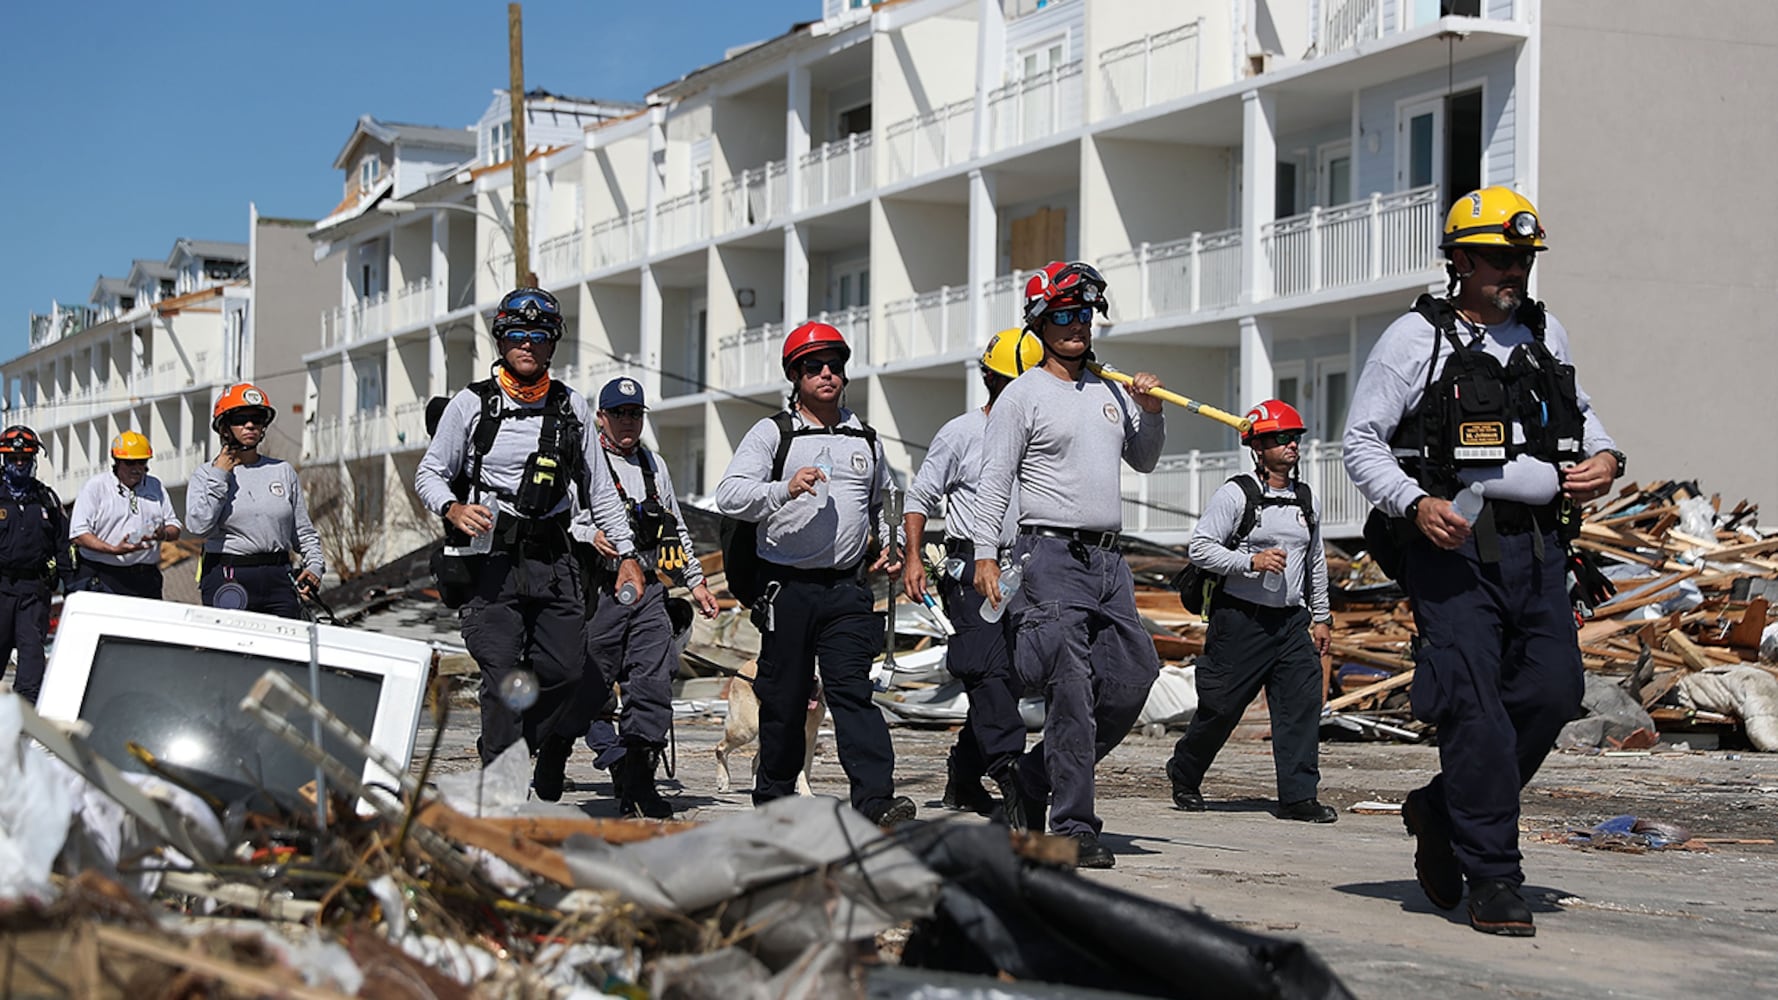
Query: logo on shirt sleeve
[(1111, 412)]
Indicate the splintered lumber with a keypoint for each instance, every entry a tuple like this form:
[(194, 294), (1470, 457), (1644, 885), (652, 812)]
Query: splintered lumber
[(526, 855), (1359, 654), (257, 982), (1689, 652), (1646, 595), (1400, 680), (551, 831)]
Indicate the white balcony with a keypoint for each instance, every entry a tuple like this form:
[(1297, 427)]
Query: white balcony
[(408, 306), (340, 439), (1005, 297), (682, 220), (930, 141), (755, 197), (928, 326), (1194, 274), (753, 358), (1165, 504), (558, 259), (1036, 107), (1345, 23), (173, 466), (1383, 236), (834, 170), (590, 377), (618, 240), (1151, 70)]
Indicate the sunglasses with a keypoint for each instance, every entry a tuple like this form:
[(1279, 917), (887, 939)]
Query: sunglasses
[(625, 413), (815, 366), (535, 337), (250, 417), (1278, 439), (1506, 260), (1068, 317)]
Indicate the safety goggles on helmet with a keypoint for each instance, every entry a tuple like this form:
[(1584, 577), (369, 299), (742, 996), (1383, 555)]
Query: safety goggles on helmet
[(1057, 284), (521, 336), (1066, 316), (527, 309), (814, 366), (1503, 259)]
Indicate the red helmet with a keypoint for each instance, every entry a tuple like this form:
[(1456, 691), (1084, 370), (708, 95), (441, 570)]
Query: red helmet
[(812, 337), (1061, 284), (239, 396), (1272, 416), (20, 440)]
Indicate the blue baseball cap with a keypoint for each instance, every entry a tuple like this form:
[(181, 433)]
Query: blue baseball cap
[(621, 391)]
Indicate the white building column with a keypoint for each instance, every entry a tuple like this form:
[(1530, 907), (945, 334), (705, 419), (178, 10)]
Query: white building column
[(1256, 363), (649, 346), (797, 126), (984, 225), (656, 184), (435, 363), (990, 50), (796, 275), (1259, 190), (441, 263)]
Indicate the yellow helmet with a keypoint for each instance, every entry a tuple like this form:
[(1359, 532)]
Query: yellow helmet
[(1493, 217), (1012, 353), (131, 446)]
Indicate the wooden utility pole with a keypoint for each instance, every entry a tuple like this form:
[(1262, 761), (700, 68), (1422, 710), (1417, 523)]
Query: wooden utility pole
[(521, 214)]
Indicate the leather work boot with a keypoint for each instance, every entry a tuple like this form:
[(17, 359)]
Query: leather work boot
[(1495, 907), (1307, 811), (1435, 864), (548, 774), (965, 794), (893, 812), (1185, 794), (639, 796), (1015, 805), (1092, 853)]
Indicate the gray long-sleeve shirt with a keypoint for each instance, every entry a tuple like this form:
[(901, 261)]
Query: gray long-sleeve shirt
[(1058, 443), (1391, 384), (1274, 528), (629, 472), (951, 476), (805, 532), (252, 510), (452, 449)]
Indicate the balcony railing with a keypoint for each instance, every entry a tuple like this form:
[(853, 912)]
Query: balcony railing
[(618, 240), (408, 306), (1383, 236), (1170, 498), (558, 258), (930, 141), (928, 326), (1198, 273), (1151, 70), (834, 170), (752, 358), (1005, 298), (682, 220), (754, 197), (1345, 23), (367, 432), (1036, 107)]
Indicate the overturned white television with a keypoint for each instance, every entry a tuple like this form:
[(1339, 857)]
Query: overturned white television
[(170, 678)]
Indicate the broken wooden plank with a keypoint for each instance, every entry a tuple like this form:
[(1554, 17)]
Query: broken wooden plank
[(1381, 687)]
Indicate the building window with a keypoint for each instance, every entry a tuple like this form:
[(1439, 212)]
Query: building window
[(167, 289), (500, 143), (853, 121), (368, 170), (1042, 58)]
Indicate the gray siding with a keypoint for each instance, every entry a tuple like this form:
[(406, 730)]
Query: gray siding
[(1376, 111)]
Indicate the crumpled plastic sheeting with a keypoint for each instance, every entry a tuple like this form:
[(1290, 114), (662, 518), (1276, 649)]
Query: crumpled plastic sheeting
[(1173, 699), (1746, 692), (1610, 714), (819, 973), (796, 871), (35, 809), (503, 788), (1000, 912)]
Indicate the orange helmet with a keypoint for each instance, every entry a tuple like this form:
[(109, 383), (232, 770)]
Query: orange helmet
[(1272, 416), (812, 337), (243, 395), (1061, 284), (131, 446), (20, 440)]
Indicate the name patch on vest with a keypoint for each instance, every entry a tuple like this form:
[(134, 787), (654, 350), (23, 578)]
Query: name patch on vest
[(1480, 439)]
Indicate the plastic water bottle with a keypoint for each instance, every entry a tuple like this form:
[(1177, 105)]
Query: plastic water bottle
[(482, 544), (519, 690), (1272, 581), (1468, 503), (823, 462), (1010, 578), (627, 594)]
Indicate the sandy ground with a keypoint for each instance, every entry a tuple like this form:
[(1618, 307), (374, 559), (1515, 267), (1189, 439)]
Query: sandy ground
[(1659, 924)]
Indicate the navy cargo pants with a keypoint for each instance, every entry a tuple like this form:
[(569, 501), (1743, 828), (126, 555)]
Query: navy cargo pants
[(1246, 649), (524, 613), (1079, 641), (1498, 671), (633, 646), (993, 733), (24, 626), (825, 618)]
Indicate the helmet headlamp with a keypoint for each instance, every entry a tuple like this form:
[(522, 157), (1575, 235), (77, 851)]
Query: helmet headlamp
[(1523, 225)]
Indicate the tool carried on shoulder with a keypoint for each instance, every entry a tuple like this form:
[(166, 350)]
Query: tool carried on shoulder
[(1241, 424)]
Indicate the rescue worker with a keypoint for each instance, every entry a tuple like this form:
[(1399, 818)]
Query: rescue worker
[(628, 644), (814, 613), (249, 508), (510, 457), (120, 519), (1269, 620), (34, 556), (993, 734), (1477, 388), (1056, 436)]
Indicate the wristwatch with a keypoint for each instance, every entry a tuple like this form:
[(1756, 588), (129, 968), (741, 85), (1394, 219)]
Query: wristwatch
[(628, 554), (445, 510), (1621, 460), (1413, 510), (1323, 621)]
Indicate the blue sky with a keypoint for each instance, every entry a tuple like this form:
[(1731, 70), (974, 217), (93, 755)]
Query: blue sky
[(131, 125)]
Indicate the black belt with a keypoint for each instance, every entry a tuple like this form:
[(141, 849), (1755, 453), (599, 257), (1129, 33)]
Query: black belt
[(1224, 599), (797, 574), (23, 576), (1514, 518), (1097, 539), (278, 558)]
